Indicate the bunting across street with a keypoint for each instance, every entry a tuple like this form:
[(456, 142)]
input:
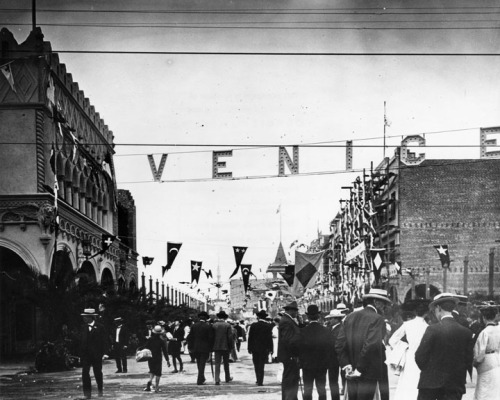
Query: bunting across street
[(172, 251), (239, 252)]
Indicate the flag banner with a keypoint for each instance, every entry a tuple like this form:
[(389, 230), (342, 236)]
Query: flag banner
[(7, 72), (377, 256), (444, 255), (271, 295), (51, 92), (246, 271), (306, 271), (239, 252), (262, 305), (395, 269), (106, 242), (288, 274), (172, 251), (147, 261), (208, 273), (356, 251), (195, 271)]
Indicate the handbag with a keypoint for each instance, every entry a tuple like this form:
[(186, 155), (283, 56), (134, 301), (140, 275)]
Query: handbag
[(142, 355)]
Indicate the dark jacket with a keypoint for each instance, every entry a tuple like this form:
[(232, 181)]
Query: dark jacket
[(223, 336), (201, 337), (174, 346), (316, 346), (260, 337), (288, 338), (123, 336), (360, 343), (334, 361), (444, 355), (93, 344)]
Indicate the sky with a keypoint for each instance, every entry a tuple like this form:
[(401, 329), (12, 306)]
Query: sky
[(304, 72)]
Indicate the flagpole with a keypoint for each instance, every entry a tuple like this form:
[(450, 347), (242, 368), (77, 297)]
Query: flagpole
[(385, 124)]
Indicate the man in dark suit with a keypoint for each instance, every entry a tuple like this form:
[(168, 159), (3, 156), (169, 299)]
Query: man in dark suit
[(93, 346), (334, 324), (201, 340), (361, 349), (315, 350), (120, 345), (260, 344), (288, 340), (444, 354)]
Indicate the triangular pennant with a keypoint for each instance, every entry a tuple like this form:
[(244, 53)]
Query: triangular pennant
[(239, 252), (172, 251), (246, 270), (195, 271), (7, 72), (208, 273), (444, 255), (288, 274)]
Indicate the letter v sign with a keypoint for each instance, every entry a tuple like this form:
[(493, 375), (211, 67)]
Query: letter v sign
[(157, 174)]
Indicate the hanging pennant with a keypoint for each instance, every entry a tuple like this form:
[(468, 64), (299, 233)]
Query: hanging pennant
[(195, 271), (246, 270), (444, 255), (239, 252), (172, 251)]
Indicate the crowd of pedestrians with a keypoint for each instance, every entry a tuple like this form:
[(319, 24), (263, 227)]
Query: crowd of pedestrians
[(432, 352)]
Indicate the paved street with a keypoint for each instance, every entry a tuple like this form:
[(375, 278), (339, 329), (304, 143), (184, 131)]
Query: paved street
[(16, 384)]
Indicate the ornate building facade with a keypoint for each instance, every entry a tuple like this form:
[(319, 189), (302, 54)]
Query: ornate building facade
[(58, 194)]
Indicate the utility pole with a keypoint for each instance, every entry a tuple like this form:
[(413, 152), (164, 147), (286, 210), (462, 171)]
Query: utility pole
[(466, 275), (491, 272), (33, 14)]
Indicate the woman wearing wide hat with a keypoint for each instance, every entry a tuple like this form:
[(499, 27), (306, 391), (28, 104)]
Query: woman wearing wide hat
[(158, 347)]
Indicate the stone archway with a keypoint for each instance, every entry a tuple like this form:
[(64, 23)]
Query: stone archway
[(420, 292), (18, 311), (107, 281), (61, 271), (86, 274)]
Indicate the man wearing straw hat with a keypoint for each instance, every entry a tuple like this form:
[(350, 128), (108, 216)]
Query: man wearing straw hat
[(361, 349), (334, 320), (93, 347), (444, 354)]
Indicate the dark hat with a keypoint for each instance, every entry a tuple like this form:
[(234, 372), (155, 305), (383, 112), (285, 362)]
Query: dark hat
[(291, 306), (443, 298), (203, 315), (118, 319), (312, 309), (379, 294), (222, 315), (89, 312), (261, 314)]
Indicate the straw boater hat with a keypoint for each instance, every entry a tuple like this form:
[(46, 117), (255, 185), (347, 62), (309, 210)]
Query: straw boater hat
[(88, 312), (341, 307), (335, 314), (379, 294), (443, 298), (118, 319)]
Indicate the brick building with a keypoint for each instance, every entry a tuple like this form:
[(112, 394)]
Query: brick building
[(409, 205), (58, 193)]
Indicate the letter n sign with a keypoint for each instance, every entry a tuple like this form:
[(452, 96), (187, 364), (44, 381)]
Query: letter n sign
[(284, 157)]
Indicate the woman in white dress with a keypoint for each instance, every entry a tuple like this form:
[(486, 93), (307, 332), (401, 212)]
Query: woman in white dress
[(487, 358), (413, 330)]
